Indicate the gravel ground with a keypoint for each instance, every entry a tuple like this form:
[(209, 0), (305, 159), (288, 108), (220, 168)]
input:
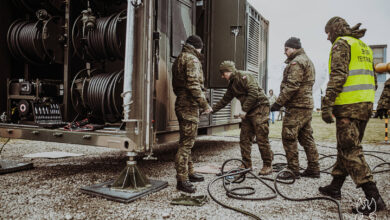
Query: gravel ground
[(51, 189)]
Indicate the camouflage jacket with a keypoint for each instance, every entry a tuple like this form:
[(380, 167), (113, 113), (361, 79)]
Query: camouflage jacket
[(384, 101), (244, 87), (341, 55), (188, 84), (296, 89)]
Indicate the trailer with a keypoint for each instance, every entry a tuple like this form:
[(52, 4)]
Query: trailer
[(98, 72)]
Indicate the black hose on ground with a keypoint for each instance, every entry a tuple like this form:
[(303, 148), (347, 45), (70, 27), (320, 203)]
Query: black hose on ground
[(305, 199), (240, 175)]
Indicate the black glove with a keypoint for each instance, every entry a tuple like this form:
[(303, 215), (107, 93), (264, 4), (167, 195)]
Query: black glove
[(326, 115), (275, 107), (381, 113)]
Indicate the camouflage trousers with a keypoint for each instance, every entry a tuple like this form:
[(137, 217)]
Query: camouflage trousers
[(350, 157), (256, 124), (183, 160), (297, 128)]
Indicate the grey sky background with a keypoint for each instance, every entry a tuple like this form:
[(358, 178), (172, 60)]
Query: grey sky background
[(306, 20)]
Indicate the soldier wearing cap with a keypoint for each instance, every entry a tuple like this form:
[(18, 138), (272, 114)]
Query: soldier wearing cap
[(244, 87), (349, 97), (188, 86), (296, 96)]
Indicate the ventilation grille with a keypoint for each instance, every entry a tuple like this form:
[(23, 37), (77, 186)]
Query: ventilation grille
[(223, 115), (253, 42)]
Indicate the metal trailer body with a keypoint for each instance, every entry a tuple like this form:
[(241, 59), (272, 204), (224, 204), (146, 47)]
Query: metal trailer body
[(231, 30)]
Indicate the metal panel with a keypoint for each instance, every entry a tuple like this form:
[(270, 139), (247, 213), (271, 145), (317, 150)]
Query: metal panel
[(227, 37), (182, 23), (223, 115), (257, 30)]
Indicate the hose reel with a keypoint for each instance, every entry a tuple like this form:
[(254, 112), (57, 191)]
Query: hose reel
[(101, 38), (97, 94), (39, 42)]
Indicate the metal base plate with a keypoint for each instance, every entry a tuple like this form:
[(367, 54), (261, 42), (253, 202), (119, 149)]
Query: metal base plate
[(9, 166), (104, 190)]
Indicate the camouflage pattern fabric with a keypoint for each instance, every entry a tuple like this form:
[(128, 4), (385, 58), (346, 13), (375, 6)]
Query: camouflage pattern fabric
[(244, 87), (183, 161), (297, 84), (350, 157), (256, 124), (297, 128), (351, 119), (384, 101), (187, 82), (341, 55)]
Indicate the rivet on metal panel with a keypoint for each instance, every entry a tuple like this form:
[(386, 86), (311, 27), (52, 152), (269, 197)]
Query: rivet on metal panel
[(35, 132), (57, 134), (87, 137)]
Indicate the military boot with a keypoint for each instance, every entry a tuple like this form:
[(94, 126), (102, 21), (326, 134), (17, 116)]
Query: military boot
[(185, 186), (334, 189), (196, 177), (374, 201), (310, 174), (266, 170)]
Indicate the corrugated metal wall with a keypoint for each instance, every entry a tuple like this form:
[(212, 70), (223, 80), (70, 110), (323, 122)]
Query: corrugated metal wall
[(257, 41), (224, 115)]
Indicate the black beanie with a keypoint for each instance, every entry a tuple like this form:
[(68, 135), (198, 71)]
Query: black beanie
[(293, 42), (195, 41)]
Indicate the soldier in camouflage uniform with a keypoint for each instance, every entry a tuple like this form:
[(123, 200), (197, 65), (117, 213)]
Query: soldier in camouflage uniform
[(351, 119), (244, 87), (296, 95), (384, 102), (187, 82)]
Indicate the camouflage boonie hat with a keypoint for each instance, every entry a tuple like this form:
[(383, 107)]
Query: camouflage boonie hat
[(227, 66)]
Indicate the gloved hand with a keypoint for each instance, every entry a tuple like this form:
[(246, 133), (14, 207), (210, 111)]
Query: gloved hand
[(242, 116), (381, 113), (326, 115), (275, 107)]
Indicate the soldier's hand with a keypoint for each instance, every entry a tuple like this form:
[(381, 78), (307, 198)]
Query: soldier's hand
[(242, 116), (381, 113), (326, 115), (208, 110), (275, 107)]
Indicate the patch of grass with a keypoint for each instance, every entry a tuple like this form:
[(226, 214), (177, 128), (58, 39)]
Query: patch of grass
[(375, 131)]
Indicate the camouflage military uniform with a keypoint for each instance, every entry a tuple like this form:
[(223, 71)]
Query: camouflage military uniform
[(351, 120), (384, 101), (244, 87), (187, 82), (296, 95)]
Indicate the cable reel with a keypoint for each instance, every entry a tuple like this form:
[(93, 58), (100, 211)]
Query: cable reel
[(101, 38), (39, 42), (97, 94)]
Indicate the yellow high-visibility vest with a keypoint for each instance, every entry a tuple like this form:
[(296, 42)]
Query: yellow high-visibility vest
[(360, 84)]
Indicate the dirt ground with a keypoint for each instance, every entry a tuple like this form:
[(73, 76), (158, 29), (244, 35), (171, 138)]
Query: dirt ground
[(52, 189)]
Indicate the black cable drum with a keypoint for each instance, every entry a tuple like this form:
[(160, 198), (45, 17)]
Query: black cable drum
[(36, 42), (106, 41), (98, 95)]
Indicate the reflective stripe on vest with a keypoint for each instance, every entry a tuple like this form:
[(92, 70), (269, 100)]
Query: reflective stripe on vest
[(360, 83)]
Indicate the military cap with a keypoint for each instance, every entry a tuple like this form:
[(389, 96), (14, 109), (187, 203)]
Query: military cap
[(293, 42), (227, 66), (195, 41)]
